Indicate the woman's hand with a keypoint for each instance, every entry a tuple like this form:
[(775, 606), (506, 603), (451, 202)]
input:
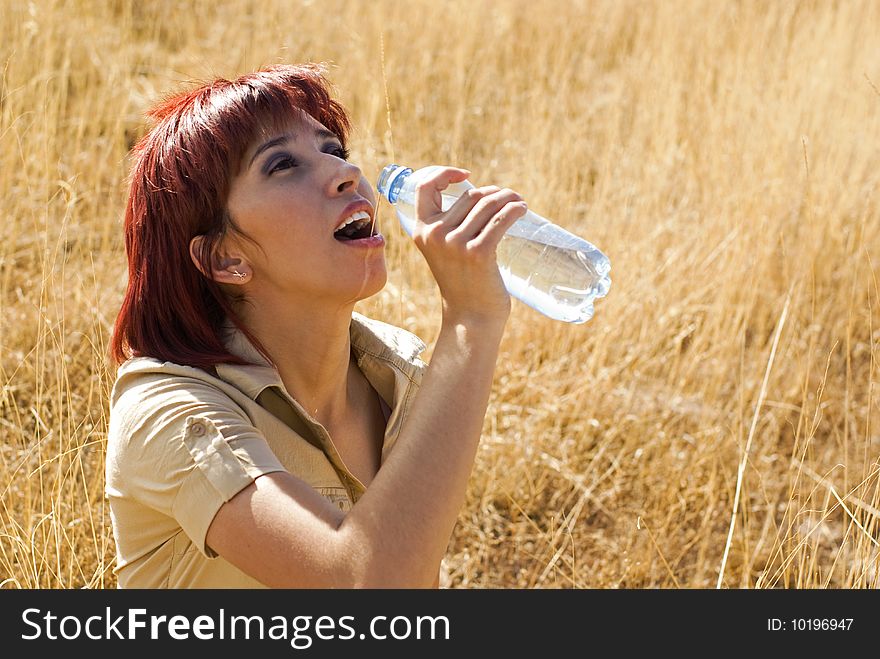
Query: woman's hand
[(460, 243)]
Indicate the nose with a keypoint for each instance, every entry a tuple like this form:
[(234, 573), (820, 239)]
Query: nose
[(345, 178)]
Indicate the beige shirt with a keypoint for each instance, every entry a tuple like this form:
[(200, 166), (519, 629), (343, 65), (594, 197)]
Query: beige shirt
[(182, 442)]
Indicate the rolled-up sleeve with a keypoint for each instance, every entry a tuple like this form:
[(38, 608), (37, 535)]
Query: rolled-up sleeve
[(183, 448)]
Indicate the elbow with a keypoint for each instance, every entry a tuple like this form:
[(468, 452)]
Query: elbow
[(379, 563), (352, 560)]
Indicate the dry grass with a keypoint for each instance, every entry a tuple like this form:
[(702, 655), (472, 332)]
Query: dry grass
[(724, 155)]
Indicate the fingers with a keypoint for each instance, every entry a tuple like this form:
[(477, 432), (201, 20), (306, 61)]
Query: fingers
[(498, 225), (483, 212), (428, 192), (478, 219)]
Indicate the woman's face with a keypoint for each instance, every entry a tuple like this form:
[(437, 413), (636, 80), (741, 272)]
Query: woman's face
[(293, 191)]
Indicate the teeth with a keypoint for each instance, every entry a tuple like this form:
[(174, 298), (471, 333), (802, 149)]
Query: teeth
[(360, 215)]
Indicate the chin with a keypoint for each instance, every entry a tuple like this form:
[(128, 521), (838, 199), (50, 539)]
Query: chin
[(374, 281)]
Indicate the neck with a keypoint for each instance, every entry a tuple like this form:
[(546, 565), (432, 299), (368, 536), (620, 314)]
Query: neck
[(311, 349)]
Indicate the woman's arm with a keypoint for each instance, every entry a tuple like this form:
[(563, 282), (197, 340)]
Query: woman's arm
[(282, 533), (424, 480)]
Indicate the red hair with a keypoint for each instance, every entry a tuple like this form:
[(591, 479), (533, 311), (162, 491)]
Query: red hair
[(179, 185)]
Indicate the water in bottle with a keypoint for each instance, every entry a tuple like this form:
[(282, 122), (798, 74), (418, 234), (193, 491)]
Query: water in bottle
[(542, 264)]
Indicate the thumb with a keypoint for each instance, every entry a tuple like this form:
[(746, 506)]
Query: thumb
[(428, 192)]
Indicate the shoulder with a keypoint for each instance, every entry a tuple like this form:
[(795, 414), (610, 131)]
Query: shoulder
[(180, 445), (153, 401), (173, 426), (388, 342), (146, 386)]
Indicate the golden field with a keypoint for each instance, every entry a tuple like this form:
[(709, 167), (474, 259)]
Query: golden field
[(715, 424)]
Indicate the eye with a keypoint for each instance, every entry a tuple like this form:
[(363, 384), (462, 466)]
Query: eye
[(339, 151), (279, 164)]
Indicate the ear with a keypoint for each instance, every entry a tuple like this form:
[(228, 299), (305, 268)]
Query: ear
[(225, 268)]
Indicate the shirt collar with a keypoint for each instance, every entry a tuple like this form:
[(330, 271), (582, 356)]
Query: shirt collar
[(368, 337)]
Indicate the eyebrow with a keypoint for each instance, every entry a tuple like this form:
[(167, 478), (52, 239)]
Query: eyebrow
[(281, 139)]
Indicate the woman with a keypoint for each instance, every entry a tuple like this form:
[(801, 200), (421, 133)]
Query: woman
[(261, 433)]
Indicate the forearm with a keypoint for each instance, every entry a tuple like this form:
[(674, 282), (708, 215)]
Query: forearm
[(406, 516)]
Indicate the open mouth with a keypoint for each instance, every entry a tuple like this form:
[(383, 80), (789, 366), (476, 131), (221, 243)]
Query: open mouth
[(355, 227)]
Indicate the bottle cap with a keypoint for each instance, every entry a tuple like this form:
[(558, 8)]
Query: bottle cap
[(391, 180)]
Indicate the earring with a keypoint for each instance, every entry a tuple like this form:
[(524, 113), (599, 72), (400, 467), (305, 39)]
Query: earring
[(240, 275)]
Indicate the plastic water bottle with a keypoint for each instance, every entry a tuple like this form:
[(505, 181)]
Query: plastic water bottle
[(541, 264)]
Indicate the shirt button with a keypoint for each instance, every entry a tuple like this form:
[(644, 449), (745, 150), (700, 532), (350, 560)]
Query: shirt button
[(198, 429)]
